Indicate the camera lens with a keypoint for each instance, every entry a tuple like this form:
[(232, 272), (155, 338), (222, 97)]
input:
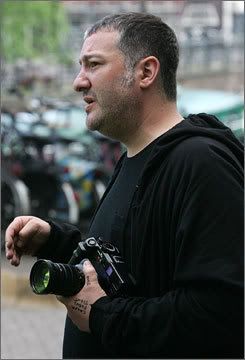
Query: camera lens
[(41, 277), (60, 279)]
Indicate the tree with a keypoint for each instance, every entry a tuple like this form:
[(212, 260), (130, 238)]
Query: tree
[(31, 29)]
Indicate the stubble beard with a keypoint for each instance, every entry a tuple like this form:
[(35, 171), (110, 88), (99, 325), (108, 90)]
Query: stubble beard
[(117, 109)]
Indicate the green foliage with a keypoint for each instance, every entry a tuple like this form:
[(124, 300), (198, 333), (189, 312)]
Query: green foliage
[(31, 29)]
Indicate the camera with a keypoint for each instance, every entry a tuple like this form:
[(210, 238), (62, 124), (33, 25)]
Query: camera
[(47, 277)]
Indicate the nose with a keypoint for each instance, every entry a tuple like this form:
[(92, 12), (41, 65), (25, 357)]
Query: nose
[(81, 82)]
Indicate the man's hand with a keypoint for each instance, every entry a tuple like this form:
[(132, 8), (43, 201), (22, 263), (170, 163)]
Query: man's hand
[(25, 236), (79, 305)]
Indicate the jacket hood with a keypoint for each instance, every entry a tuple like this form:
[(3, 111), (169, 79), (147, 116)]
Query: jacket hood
[(194, 125)]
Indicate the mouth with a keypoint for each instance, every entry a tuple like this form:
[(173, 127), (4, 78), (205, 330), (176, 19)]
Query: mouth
[(89, 101), (89, 106)]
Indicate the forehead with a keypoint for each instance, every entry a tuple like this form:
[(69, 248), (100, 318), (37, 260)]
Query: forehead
[(103, 42)]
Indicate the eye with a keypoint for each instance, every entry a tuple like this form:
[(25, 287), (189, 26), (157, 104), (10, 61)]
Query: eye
[(93, 64)]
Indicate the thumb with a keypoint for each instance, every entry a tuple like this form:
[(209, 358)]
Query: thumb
[(87, 266), (89, 271)]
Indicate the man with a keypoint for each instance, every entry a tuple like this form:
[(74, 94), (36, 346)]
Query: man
[(173, 207)]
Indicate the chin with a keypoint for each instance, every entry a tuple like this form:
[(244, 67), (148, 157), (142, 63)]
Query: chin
[(91, 124), (110, 134)]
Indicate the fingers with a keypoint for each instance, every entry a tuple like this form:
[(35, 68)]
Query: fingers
[(23, 241), (13, 255), (15, 260), (24, 236), (12, 230), (11, 235)]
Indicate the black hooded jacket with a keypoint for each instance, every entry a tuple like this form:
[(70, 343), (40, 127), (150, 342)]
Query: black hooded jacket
[(186, 250)]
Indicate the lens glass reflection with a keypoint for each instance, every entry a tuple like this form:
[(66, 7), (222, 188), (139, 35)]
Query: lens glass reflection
[(41, 278)]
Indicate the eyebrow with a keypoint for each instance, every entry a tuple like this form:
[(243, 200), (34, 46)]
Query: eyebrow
[(86, 58)]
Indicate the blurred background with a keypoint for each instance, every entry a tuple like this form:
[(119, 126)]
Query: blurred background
[(51, 165)]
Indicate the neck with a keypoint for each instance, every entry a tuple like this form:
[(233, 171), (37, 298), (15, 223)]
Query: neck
[(153, 123)]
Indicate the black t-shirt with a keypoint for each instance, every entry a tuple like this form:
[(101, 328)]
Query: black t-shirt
[(108, 223), (110, 219)]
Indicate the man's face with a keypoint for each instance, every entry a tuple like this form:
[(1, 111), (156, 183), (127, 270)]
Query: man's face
[(107, 87)]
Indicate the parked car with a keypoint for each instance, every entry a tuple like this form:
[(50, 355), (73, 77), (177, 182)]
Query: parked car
[(227, 106)]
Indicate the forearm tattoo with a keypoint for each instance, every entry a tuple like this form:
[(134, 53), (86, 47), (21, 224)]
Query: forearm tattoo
[(80, 305)]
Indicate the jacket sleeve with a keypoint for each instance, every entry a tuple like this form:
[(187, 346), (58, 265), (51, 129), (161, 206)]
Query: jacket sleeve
[(202, 315), (62, 241), (64, 237)]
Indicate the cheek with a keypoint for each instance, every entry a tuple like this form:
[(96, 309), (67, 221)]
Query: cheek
[(112, 89)]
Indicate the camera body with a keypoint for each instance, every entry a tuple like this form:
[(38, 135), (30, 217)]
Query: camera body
[(108, 263), (67, 279)]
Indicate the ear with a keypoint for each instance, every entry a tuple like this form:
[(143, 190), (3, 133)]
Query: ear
[(149, 69)]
